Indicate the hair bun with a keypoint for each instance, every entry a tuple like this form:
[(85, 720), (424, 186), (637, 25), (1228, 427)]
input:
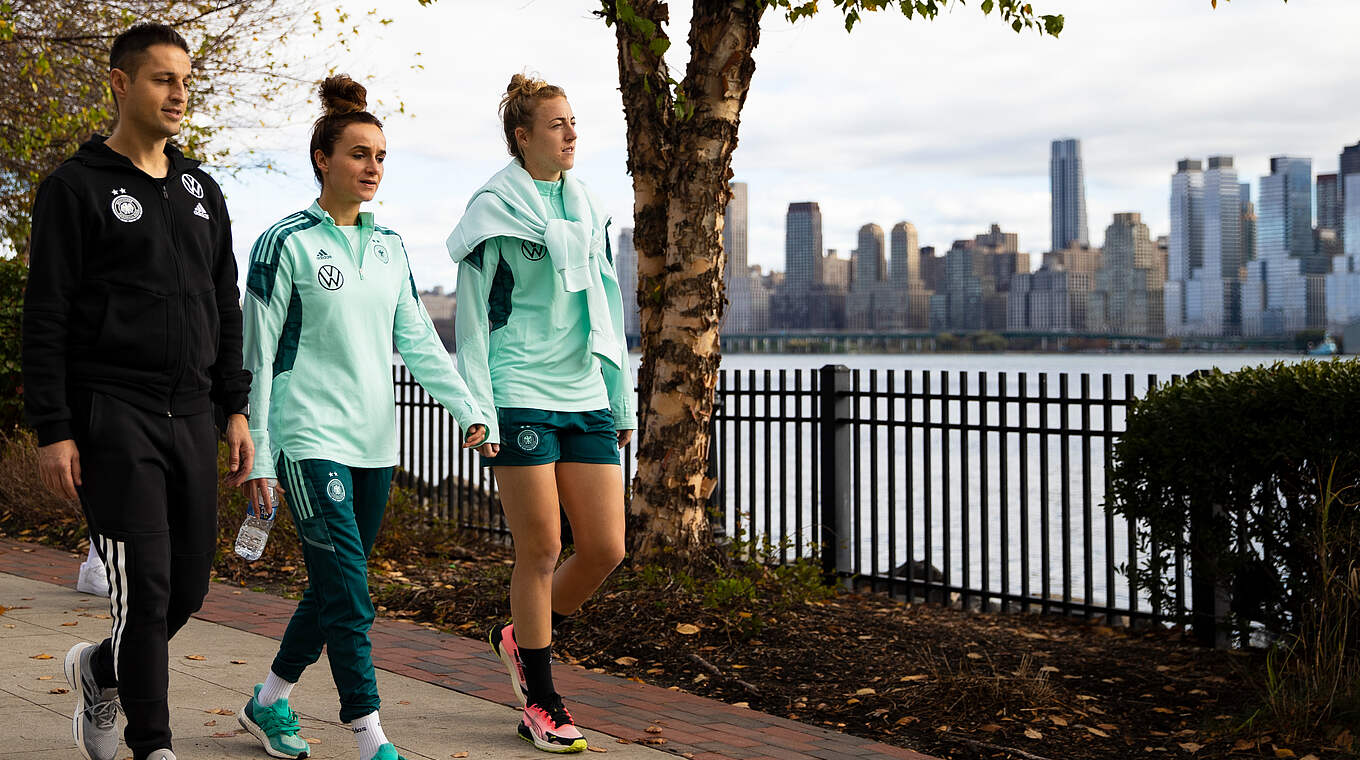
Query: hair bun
[(341, 95), (523, 84)]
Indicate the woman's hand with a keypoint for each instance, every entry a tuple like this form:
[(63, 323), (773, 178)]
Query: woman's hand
[(625, 436), (475, 435), (489, 449), (257, 494)]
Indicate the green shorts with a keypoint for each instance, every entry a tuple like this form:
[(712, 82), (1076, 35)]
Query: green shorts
[(536, 436)]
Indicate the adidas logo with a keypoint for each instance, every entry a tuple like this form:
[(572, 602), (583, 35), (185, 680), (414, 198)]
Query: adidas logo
[(200, 211), (322, 255)]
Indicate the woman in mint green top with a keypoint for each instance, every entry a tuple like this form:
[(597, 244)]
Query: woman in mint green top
[(329, 293), (540, 339)]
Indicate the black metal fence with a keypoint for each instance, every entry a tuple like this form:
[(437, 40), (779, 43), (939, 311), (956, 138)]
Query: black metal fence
[(980, 489)]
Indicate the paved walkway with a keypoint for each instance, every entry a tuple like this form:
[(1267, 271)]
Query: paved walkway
[(443, 695)]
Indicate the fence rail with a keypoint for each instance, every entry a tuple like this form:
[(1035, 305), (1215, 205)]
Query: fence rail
[(980, 489)]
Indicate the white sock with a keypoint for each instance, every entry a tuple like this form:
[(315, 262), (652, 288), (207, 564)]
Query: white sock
[(93, 556), (368, 731), (274, 689)]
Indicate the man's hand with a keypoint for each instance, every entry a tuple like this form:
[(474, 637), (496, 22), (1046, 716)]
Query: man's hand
[(241, 448), (624, 437), (59, 468)]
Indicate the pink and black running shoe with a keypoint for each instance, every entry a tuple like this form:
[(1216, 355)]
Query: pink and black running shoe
[(502, 640), (550, 728)]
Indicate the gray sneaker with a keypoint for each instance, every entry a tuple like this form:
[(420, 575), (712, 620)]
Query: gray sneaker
[(96, 708), (161, 754)]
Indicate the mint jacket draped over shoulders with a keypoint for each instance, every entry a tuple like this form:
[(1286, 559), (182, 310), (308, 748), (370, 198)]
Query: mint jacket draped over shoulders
[(324, 307), (540, 314)]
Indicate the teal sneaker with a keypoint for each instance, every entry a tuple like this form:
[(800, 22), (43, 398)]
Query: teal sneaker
[(276, 726), (387, 752)]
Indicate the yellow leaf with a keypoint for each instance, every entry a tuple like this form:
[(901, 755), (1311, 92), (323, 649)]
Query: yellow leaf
[(627, 662), (990, 728), (686, 629), (654, 729), (914, 678), (1032, 734), (865, 692), (1058, 720), (194, 657), (907, 720), (1190, 747), (44, 678), (238, 662), (1098, 732), (459, 754), (1282, 752)]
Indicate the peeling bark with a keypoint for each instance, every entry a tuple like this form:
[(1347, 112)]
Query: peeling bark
[(680, 167)]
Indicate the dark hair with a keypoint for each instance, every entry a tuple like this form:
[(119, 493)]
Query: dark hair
[(343, 101), (517, 107), (128, 47)]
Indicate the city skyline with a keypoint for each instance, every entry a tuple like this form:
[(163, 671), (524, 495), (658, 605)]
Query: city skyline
[(962, 148)]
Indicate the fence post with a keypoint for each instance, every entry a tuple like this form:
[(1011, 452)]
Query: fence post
[(1210, 597), (835, 407)]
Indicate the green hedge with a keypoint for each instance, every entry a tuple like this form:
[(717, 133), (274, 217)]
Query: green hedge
[(13, 276), (1250, 453)]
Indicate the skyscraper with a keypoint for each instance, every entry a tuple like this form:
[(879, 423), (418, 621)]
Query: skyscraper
[(871, 289), (1127, 298), (802, 246), (1220, 291), (1328, 202), (1350, 166), (1248, 223), (1068, 187), (748, 300), (1343, 284), (735, 230), (914, 297), (790, 306), (1275, 296), (626, 265), (1186, 247)]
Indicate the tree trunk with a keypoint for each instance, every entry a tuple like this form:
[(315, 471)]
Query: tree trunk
[(679, 154)]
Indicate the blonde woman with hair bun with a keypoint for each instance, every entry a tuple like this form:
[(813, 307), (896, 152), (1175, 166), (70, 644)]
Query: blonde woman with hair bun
[(329, 294), (540, 340)]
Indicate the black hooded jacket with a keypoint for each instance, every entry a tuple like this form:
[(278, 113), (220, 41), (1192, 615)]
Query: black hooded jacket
[(131, 291)]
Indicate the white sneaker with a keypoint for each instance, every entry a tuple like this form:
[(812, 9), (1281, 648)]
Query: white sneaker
[(93, 579), (161, 754)]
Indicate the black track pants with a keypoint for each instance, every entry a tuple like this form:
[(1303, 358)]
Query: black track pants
[(150, 494)]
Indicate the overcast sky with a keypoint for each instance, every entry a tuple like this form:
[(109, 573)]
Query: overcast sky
[(945, 124)]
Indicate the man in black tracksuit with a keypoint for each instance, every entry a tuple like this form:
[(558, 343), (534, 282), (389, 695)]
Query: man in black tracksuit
[(132, 333)]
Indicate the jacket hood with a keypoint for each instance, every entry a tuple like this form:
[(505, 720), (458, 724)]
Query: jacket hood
[(94, 152)]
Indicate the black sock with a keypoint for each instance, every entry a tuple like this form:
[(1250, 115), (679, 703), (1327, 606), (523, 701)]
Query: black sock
[(537, 673), (557, 619)]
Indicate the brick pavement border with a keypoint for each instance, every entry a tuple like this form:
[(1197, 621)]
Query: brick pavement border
[(697, 727)]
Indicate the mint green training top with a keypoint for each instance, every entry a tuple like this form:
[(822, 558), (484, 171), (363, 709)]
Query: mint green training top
[(325, 306), (523, 340)]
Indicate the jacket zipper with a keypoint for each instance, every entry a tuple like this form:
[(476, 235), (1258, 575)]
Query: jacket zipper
[(183, 286)]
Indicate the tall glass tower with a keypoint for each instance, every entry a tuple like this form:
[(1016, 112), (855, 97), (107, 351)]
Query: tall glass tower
[(802, 247), (1068, 185)]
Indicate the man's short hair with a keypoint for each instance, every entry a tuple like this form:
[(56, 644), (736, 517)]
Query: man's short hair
[(129, 47)]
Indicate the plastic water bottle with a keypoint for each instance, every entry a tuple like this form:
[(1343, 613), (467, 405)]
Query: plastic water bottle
[(250, 540)]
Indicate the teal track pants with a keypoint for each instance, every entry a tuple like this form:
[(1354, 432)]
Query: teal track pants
[(337, 511)]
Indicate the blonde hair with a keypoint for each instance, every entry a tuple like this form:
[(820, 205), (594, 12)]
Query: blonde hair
[(521, 99)]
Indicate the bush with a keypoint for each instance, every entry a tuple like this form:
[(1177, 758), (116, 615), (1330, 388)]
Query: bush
[(13, 276), (1248, 455), (1255, 475)]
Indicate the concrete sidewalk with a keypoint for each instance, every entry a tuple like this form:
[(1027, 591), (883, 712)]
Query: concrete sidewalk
[(443, 694), (212, 671)]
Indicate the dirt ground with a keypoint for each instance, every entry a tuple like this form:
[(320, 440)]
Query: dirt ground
[(943, 681)]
